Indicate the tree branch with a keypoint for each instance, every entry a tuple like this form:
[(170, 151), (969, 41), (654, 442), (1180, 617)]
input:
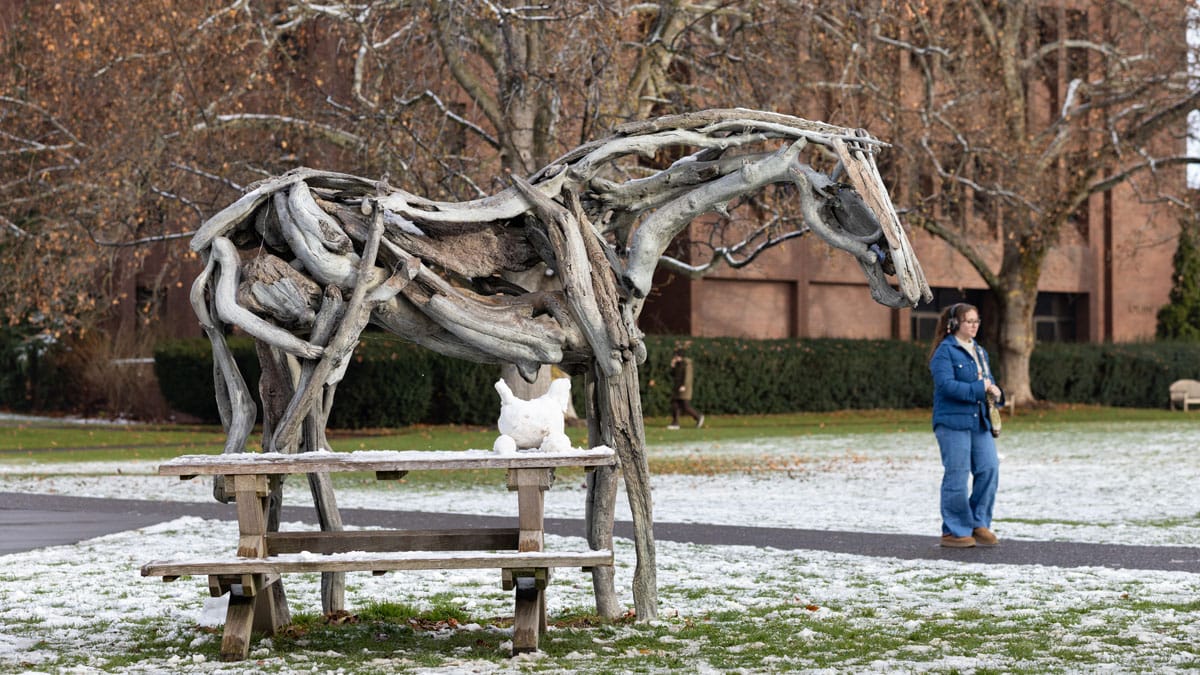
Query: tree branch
[(12, 227), (1116, 179), (961, 244), (339, 137), (465, 78)]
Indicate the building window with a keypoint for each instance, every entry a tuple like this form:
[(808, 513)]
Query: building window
[(925, 315), (1056, 316)]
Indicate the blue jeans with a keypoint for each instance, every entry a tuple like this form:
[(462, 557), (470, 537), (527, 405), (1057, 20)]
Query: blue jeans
[(972, 471)]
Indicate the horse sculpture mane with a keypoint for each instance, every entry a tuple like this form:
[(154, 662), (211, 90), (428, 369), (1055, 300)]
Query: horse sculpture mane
[(333, 252)]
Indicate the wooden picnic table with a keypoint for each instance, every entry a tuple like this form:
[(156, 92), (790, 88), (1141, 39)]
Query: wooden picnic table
[(252, 576)]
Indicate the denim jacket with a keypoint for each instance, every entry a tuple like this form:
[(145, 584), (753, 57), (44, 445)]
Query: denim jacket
[(959, 395)]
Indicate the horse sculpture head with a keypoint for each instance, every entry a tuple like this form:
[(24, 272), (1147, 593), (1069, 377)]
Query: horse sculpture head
[(848, 207)]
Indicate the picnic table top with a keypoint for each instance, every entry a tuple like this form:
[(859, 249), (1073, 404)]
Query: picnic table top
[(380, 460)]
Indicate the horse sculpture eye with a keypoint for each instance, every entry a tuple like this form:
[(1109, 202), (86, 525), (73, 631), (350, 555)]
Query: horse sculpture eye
[(851, 212)]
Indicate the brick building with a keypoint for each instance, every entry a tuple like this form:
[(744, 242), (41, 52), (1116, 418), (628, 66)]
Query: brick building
[(1102, 284), (1104, 280)]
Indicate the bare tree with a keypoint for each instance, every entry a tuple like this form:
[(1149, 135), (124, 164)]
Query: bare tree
[(127, 130), (1007, 117)]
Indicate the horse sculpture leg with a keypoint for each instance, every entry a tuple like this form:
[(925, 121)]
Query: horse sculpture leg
[(276, 388), (599, 515), (620, 427)]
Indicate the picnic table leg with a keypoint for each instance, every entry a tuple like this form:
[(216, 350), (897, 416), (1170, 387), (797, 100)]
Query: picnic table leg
[(529, 611), (257, 601), (271, 608), (239, 619)]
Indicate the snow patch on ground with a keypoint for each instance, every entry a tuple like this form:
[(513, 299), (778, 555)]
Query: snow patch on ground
[(1121, 485), (1129, 483)]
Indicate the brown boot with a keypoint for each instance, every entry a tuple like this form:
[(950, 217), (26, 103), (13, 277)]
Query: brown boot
[(951, 541), (985, 537)]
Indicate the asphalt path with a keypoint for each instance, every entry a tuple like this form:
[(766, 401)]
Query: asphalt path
[(32, 521)]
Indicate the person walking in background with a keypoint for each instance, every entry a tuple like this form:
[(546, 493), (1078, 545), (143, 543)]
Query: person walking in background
[(682, 378), (962, 385)]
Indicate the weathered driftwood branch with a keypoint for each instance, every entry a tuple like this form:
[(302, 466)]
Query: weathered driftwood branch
[(234, 403), (574, 269), (439, 274)]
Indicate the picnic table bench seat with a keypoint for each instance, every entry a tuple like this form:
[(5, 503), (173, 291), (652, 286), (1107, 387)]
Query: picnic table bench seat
[(252, 577), (375, 562)]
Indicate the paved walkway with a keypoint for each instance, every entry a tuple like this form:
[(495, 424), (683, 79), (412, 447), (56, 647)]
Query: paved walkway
[(30, 521)]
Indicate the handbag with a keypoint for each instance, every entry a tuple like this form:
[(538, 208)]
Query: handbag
[(993, 416), (993, 410)]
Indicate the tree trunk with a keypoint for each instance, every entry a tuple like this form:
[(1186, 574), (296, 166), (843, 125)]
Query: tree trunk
[(1016, 343)]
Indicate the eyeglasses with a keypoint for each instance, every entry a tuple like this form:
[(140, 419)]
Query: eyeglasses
[(973, 322)]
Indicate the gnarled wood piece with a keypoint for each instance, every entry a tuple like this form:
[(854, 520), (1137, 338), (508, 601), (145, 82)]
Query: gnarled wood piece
[(657, 230), (337, 353), (225, 300), (275, 290), (234, 403), (235, 215), (575, 272)]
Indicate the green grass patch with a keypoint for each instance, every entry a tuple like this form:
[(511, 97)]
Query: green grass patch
[(778, 637), (1177, 521), (36, 443), (42, 437), (47, 443), (1050, 521)]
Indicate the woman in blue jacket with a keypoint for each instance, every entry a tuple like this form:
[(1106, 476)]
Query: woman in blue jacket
[(962, 382)]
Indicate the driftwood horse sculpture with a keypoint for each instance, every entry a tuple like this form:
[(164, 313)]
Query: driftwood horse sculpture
[(303, 262)]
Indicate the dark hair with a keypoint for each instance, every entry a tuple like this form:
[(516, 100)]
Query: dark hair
[(958, 310)]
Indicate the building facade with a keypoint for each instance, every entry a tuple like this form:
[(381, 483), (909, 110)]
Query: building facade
[(1104, 280), (1105, 283)]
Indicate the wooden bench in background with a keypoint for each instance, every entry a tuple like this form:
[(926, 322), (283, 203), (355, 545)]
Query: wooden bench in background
[(252, 575), (1185, 393)]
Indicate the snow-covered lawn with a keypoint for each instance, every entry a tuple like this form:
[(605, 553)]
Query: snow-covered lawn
[(74, 608)]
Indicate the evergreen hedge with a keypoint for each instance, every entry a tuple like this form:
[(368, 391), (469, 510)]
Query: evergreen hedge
[(393, 383), (739, 376), (1133, 375), (389, 384), (32, 377)]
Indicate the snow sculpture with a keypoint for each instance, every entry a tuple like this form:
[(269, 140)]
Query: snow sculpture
[(536, 424)]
